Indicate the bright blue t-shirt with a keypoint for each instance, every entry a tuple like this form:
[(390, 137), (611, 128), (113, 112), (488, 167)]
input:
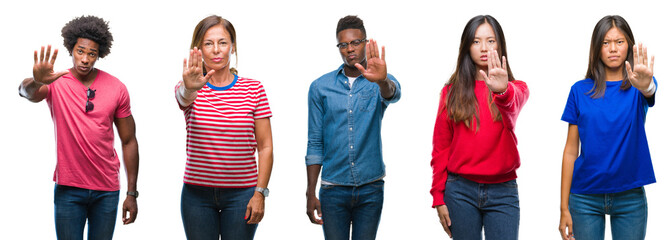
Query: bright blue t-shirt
[(614, 151)]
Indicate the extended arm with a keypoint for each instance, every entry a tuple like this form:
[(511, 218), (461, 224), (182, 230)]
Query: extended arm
[(262, 132), (568, 157), (126, 129)]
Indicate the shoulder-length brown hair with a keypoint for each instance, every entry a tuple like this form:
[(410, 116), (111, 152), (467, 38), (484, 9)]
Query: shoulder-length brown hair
[(596, 68), (207, 23), (461, 105)]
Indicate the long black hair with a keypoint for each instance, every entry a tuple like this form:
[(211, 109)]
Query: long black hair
[(596, 68), (461, 101)]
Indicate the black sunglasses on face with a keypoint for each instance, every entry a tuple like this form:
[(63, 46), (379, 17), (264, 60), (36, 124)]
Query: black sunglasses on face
[(90, 94)]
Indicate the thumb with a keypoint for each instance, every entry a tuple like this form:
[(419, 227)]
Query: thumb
[(209, 75), (485, 76), (628, 68), (319, 209), (360, 67), (248, 211)]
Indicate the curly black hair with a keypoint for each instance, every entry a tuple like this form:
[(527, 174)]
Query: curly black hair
[(89, 27), (350, 22)]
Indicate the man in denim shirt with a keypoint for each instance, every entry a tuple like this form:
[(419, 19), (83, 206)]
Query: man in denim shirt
[(345, 113)]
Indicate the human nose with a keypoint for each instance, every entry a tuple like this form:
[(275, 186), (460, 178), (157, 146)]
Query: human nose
[(612, 48), (350, 47), (85, 59), (484, 48)]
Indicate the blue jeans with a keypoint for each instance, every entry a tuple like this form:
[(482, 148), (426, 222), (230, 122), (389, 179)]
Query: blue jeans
[(73, 206), (628, 210), (474, 206), (344, 205), (208, 212)]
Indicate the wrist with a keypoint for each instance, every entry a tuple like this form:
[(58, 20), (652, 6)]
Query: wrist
[(502, 92), (650, 89), (263, 191), (134, 194)]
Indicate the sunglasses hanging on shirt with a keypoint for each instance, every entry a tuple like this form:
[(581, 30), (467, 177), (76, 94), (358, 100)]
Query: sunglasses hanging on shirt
[(90, 94)]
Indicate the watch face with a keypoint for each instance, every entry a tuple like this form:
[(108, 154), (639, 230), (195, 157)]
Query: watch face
[(263, 191)]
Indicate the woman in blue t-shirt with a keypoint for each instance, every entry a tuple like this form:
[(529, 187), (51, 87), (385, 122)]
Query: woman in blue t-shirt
[(606, 114)]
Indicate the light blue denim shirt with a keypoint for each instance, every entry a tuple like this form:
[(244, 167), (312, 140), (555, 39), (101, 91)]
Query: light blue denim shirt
[(344, 128)]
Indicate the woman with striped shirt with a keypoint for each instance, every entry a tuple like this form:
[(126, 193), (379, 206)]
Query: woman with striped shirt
[(228, 119)]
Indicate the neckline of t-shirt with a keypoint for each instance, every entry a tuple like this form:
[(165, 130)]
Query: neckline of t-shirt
[(213, 87), (619, 82), (80, 82)]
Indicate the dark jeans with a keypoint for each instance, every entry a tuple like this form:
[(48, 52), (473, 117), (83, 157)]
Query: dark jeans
[(208, 212), (360, 206), (73, 206), (476, 206)]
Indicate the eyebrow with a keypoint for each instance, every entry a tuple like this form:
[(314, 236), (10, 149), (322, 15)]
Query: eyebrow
[(92, 49)]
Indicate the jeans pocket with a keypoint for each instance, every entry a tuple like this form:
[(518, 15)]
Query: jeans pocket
[(452, 177), (378, 184), (511, 184)]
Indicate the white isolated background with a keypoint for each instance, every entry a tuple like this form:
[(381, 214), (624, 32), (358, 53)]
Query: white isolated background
[(288, 44)]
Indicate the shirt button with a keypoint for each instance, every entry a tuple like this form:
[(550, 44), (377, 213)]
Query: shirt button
[(350, 111), (351, 146), (350, 129), (350, 95), (353, 164), (345, 81)]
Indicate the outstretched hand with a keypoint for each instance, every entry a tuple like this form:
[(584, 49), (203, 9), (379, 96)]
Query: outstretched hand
[(376, 68), (497, 78), (641, 75), (192, 75), (43, 69)]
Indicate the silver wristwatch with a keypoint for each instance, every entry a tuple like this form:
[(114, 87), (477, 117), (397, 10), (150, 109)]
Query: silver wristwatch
[(263, 191)]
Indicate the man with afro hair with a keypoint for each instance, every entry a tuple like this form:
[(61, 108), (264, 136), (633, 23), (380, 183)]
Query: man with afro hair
[(84, 103), (345, 113)]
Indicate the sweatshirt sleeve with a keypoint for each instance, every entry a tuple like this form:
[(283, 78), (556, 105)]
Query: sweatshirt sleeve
[(511, 102), (443, 134)]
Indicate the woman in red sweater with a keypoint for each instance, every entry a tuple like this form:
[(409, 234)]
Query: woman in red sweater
[(474, 157)]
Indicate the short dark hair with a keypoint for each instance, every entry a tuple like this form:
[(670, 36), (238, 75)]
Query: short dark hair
[(596, 68), (89, 27), (350, 22)]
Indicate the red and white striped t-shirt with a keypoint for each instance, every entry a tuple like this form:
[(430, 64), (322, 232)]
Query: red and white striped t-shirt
[(220, 134)]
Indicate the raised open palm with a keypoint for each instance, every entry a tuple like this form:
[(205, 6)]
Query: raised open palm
[(641, 75), (376, 68), (497, 78), (192, 75), (43, 69)]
